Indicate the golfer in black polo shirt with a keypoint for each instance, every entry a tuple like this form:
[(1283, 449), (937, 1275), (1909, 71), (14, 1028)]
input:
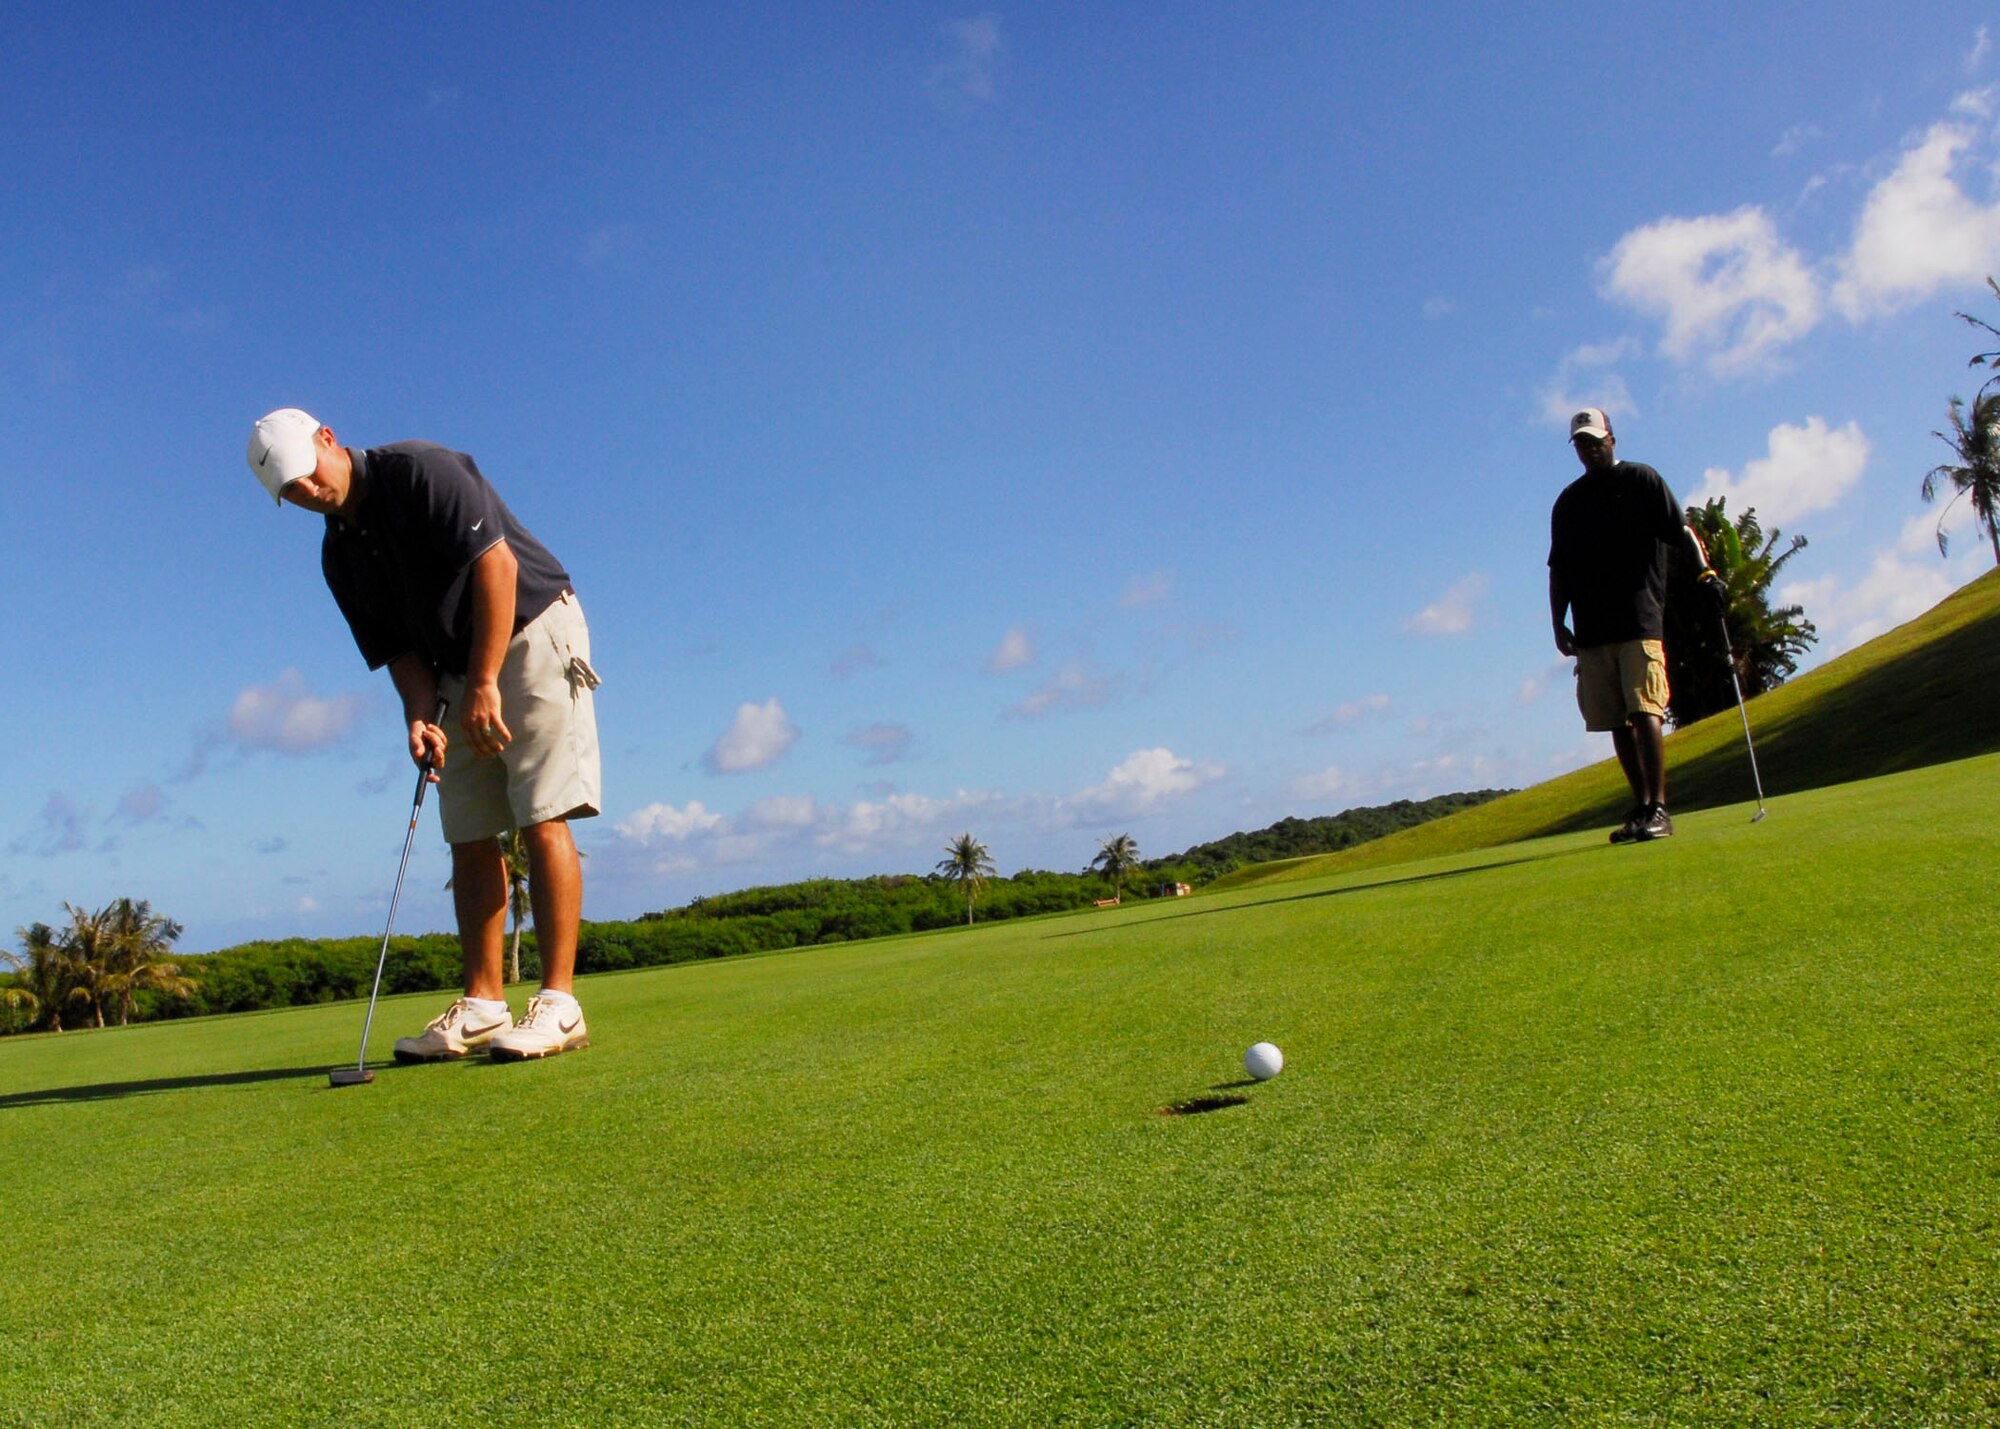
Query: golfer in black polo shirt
[(1608, 542), (440, 583)]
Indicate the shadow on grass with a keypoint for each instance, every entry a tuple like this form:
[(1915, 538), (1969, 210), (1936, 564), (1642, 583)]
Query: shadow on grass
[(111, 1091), (1341, 892)]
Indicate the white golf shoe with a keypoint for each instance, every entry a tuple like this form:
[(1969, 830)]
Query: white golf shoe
[(546, 1028), (458, 1031)]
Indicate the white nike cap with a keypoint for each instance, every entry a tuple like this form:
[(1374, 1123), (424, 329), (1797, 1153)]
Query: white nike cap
[(281, 448)]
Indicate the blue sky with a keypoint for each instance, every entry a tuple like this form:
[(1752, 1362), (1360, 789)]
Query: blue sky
[(1042, 421)]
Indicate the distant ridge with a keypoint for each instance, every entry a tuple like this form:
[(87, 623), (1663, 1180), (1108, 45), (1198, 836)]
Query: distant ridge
[(1927, 692)]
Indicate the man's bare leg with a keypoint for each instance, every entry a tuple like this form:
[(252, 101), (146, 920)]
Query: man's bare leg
[(555, 888), (479, 894)]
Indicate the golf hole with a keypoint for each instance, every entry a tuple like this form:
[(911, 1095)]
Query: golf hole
[(1195, 1106)]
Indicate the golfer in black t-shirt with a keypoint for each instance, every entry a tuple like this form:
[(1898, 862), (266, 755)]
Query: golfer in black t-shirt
[(440, 583), (1608, 543)]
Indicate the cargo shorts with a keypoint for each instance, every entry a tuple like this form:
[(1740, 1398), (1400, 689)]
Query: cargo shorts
[(1616, 682), (550, 769)]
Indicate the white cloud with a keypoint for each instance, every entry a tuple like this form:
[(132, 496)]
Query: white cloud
[(1584, 378), (1017, 648), (664, 821), (1071, 687), (759, 737), (286, 717), (1438, 306), (1903, 581), (1451, 613), (1353, 712), (1146, 779), (1919, 231), (1807, 469), (781, 812), (1982, 46), (307, 904), (1730, 292)]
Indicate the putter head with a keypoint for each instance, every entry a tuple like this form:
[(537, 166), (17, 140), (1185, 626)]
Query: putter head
[(349, 1077), (1758, 817)]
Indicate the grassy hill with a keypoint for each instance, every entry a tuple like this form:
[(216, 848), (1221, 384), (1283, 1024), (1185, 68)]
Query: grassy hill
[(1924, 693), (1697, 1133)]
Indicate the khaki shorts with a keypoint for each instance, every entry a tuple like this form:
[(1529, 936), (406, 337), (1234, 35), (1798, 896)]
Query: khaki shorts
[(1616, 682), (550, 769)]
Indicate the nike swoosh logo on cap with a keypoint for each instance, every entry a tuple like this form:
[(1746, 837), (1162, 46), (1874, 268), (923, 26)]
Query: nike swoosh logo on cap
[(264, 460)]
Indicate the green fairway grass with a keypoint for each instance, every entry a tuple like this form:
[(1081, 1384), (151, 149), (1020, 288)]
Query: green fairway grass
[(1698, 1132), (1927, 692)]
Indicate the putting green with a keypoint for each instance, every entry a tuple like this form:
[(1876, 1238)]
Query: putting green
[(1691, 1133)]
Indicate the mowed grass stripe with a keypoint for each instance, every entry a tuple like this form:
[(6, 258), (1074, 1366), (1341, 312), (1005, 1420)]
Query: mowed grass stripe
[(1692, 1133)]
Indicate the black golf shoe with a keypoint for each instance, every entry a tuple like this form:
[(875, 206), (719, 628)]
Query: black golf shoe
[(1655, 825), (1628, 831)]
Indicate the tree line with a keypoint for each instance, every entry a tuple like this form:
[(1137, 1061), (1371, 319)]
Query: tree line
[(115, 962)]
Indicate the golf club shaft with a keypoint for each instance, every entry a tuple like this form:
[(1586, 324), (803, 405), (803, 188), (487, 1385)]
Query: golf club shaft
[(382, 959), (1744, 711)]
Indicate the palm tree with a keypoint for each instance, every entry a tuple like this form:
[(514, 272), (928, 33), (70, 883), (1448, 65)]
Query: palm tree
[(135, 940), (1117, 857), (1765, 643), (966, 862), (87, 945), (1975, 440), (43, 968)]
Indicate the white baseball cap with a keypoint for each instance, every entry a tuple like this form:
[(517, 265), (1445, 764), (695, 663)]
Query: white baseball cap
[(1590, 422), (281, 448)]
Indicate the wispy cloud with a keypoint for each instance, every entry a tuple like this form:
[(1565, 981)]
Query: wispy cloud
[(1587, 376), (1347, 715), (1016, 649), (61, 826), (896, 823), (1796, 138), (975, 63), (610, 243), (1982, 47), (757, 738), (149, 804), (1147, 590), (880, 743), (852, 661), (1451, 613), (1071, 687), (1807, 469)]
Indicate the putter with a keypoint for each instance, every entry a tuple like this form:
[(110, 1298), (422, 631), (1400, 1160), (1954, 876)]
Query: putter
[(359, 1075), (1744, 711)]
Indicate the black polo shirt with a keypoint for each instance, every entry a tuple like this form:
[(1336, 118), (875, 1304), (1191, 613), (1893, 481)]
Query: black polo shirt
[(1608, 544), (400, 570)]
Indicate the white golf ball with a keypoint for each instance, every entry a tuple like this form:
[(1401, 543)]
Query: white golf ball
[(1263, 1061)]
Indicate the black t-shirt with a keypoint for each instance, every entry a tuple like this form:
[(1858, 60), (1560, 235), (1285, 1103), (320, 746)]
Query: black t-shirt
[(400, 569), (1608, 540)]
